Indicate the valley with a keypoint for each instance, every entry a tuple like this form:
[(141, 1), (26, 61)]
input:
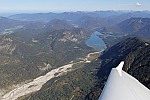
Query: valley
[(37, 83), (68, 56)]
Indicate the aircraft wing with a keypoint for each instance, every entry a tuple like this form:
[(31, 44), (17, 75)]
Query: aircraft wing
[(122, 86)]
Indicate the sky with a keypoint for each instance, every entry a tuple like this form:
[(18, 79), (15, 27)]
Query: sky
[(70, 5)]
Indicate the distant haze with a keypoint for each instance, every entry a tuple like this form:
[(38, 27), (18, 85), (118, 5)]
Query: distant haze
[(70, 5)]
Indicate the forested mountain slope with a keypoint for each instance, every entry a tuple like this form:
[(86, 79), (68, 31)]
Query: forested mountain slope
[(135, 52)]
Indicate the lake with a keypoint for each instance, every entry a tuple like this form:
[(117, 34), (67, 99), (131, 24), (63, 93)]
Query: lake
[(96, 42)]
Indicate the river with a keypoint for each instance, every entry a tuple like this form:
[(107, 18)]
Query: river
[(37, 83)]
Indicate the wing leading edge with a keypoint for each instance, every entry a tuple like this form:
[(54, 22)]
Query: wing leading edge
[(122, 86)]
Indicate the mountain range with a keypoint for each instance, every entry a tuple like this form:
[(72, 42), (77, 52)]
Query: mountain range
[(135, 26), (31, 45)]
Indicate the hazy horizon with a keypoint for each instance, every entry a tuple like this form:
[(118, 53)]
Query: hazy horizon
[(6, 14), (17, 6)]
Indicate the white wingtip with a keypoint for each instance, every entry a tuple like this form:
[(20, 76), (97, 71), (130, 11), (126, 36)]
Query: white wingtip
[(119, 67)]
